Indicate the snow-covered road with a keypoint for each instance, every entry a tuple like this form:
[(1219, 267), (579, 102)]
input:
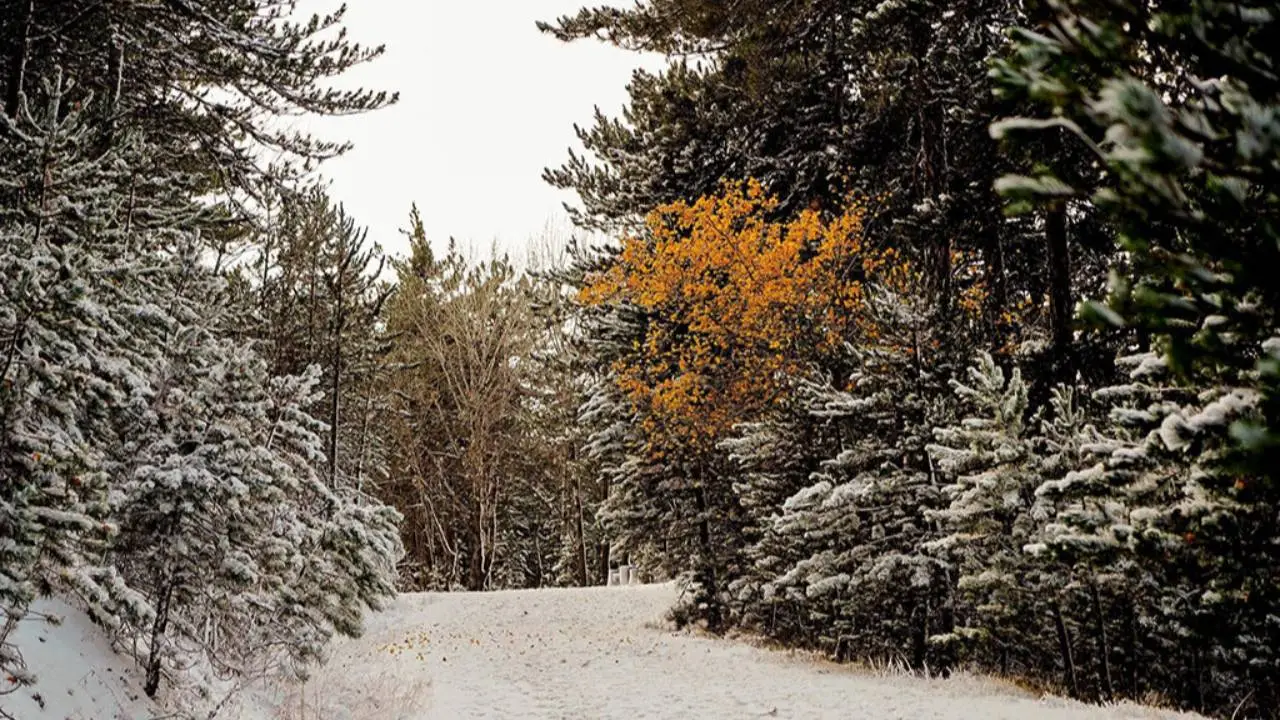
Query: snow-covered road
[(604, 653)]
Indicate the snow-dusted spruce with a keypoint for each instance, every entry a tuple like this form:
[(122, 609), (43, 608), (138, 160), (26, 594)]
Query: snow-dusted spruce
[(839, 564), (313, 295), (1179, 108), (629, 515), (1059, 454), (226, 528), (82, 309), (108, 324), (1084, 504), (987, 458)]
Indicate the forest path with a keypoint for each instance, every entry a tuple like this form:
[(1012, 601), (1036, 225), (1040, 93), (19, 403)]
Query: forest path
[(605, 653)]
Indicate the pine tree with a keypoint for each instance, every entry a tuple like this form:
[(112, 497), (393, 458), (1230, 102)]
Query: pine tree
[(841, 563), (313, 295), (1175, 105), (985, 456), (226, 527), (85, 272), (118, 167), (203, 80)]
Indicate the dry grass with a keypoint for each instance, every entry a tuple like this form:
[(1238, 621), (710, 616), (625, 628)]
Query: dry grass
[(357, 696)]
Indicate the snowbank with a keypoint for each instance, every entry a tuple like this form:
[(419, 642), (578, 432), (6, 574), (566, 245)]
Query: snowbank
[(79, 676)]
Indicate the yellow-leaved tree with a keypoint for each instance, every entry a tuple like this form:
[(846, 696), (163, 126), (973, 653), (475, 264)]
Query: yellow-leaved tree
[(738, 300)]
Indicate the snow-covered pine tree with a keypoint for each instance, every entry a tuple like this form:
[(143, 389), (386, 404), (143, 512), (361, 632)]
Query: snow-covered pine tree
[(627, 522), (344, 544), (612, 450), (1177, 106), (1152, 535), (774, 457), (1059, 451), (203, 80), (840, 564), (1199, 520), (842, 567), (313, 295), (82, 312), (226, 526), (199, 499), (986, 521)]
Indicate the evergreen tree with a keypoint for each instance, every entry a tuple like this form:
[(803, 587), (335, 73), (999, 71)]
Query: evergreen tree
[(203, 80), (1175, 105), (117, 165), (226, 527), (314, 295), (841, 563), (85, 275), (986, 523)]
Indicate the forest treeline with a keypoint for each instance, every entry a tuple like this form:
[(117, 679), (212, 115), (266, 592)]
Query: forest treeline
[(195, 491), (934, 333), (944, 333)]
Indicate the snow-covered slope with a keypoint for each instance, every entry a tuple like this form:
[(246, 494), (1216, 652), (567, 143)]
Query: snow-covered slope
[(78, 676), (603, 653)]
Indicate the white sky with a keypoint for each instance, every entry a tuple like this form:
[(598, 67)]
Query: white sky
[(486, 102)]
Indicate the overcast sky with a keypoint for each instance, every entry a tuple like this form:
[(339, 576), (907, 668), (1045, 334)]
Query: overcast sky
[(486, 102)]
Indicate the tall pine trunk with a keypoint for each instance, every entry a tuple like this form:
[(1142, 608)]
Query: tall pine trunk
[(335, 392), (1064, 646), (1060, 305), (1104, 645), (705, 569), (158, 628)]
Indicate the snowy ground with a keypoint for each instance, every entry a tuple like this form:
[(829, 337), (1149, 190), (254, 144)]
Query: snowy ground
[(603, 653), (599, 653), (79, 677)]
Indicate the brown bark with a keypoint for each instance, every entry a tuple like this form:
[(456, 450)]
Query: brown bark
[(1064, 645), (1104, 645), (158, 628), (581, 538)]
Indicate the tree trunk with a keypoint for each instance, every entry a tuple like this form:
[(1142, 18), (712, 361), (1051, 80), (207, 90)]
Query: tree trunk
[(1064, 645), (158, 627), (335, 391), (1131, 623), (18, 60), (1104, 646), (1061, 309), (706, 560), (475, 559), (580, 529), (997, 301), (948, 656), (604, 542), (920, 643), (335, 387)]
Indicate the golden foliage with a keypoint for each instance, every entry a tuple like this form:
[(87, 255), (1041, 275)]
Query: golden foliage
[(738, 300)]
